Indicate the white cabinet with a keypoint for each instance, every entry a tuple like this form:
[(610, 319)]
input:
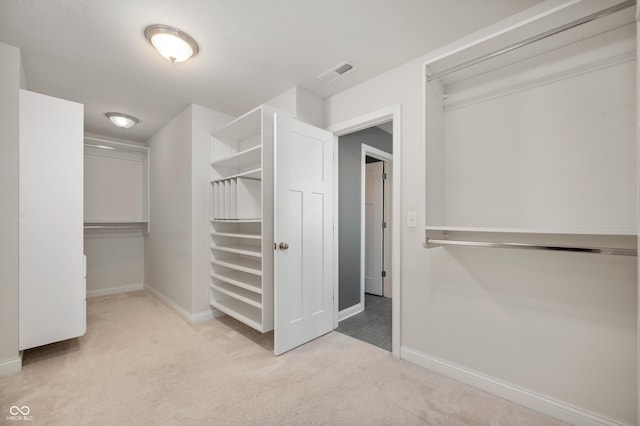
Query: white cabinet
[(52, 290), (244, 255)]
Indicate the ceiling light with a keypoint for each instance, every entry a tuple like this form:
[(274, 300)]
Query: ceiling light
[(173, 44), (122, 120)]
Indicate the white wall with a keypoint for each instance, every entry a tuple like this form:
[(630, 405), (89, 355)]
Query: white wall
[(167, 266), (115, 257), (10, 77), (115, 261), (557, 325), (176, 250)]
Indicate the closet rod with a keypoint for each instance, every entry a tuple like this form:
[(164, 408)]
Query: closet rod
[(115, 226), (533, 39), (527, 246), (119, 146)]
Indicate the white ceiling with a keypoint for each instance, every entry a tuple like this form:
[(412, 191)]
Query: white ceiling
[(94, 52)]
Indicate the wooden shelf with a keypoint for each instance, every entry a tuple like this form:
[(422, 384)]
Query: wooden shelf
[(243, 265), (247, 314), (559, 231), (239, 294), (96, 224), (243, 127), (237, 235), (240, 279), (254, 251), (256, 220), (249, 174), (242, 160)]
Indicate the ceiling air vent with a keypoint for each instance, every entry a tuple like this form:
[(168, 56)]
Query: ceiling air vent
[(336, 72)]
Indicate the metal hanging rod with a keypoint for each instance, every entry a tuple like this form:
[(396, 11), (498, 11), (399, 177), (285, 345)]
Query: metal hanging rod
[(130, 225), (115, 146), (528, 246), (533, 39)]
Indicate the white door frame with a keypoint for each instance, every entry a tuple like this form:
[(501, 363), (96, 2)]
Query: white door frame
[(374, 118), (366, 150)]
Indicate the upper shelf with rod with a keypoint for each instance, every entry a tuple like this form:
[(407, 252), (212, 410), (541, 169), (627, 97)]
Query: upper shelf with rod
[(116, 185), (616, 243), (104, 144), (530, 129), (550, 28)]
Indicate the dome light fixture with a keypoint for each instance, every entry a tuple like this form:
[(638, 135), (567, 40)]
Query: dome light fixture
[(124, 121), (171, 43)]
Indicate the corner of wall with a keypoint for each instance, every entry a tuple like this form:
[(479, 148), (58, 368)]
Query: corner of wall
[(10, 74), (309, 107), (285, 101), (11, 366), (302, 104)]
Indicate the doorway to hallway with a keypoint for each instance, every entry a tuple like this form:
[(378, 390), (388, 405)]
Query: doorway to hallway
[(365, 164)]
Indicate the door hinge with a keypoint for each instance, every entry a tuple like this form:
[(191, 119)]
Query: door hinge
[(384, 176), (384, 274), (384, 225)]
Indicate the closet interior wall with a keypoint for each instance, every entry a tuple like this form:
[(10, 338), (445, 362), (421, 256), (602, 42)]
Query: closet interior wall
[(116, 214), (538, 146)]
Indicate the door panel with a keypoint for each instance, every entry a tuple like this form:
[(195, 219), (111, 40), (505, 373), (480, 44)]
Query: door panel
[(373, 229), (303, 212)]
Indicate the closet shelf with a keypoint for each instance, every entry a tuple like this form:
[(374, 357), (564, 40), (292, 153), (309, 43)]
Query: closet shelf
[(116, 146), (254, 251), (114, 225), (243, 265), (237, 235), (240, 279), (256, 220), (612, 251), (249, 174), (243, 159), (239, 294), (557, 231), (247, 314)]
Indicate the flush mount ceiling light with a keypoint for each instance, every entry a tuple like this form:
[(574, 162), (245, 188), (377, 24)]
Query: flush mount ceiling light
[(123, 121), (173, 44)]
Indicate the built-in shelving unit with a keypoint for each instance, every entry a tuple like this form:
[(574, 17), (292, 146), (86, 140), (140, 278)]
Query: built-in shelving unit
[(241, 216), (525, 128), (116, 190)]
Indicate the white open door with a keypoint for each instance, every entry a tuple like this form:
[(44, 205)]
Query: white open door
[(303, 230)]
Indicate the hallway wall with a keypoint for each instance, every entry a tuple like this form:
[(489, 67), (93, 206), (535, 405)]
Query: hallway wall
[(349, 158)]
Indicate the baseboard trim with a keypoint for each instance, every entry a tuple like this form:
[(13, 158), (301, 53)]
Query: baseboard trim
[(180, 311), (530, 399), (202, 316), (11, 366), (350, 311), (115, 290)]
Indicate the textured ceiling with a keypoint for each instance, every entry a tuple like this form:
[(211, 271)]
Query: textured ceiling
[(94, 52)]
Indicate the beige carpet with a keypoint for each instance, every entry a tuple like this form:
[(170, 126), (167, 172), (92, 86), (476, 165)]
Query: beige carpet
[(141, 364)]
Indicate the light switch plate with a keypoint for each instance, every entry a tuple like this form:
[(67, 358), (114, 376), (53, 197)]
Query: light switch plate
[(411, 219)]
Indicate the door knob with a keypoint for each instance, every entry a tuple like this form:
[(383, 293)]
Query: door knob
[(284, 246)]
